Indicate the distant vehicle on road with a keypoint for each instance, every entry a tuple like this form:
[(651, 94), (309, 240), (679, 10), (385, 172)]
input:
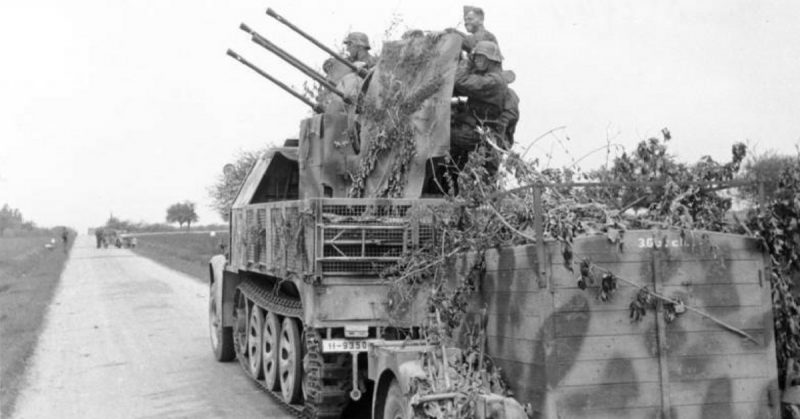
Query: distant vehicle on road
[(127, 241)]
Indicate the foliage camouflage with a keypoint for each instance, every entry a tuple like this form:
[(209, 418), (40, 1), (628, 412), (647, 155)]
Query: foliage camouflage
[(776, 224), (387, 117), (473, 221)]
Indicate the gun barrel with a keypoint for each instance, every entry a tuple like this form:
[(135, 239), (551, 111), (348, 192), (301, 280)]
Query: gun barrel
[(289, 58), (316, 107), (360, 71)]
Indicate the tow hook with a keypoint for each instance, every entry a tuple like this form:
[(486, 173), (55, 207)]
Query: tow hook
[(355, 393)]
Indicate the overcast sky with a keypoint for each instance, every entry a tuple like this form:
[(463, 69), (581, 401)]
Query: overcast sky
[(125, 107)]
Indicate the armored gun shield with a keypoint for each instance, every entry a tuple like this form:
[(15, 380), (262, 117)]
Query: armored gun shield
[(406, 113)]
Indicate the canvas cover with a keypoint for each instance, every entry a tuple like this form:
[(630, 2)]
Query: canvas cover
[(411, 65)]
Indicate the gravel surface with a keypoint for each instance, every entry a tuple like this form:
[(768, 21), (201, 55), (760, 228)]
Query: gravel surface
[(128, 338)]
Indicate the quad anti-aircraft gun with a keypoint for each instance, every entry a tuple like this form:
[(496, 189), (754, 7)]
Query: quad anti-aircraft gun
[(299, 299)]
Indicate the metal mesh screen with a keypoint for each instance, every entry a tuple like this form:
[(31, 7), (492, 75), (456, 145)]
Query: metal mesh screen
[(372, 210), (354, 268)]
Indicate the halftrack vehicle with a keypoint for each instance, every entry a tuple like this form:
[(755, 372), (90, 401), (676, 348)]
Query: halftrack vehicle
[(300, 302)]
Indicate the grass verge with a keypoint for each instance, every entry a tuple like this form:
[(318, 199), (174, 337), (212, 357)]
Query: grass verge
[(185, 252), (29, 275)]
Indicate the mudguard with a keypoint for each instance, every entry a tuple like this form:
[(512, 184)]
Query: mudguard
[(223, 285)]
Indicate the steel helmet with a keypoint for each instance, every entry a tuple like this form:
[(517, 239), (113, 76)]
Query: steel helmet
[(357, 38), (488, 49)]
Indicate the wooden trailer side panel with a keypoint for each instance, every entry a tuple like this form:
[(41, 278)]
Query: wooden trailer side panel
[(517, 308), (605, 365), (712, 371), (570, 354)]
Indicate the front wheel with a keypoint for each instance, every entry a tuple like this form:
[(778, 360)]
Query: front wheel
[(221, 336), (396, 406)]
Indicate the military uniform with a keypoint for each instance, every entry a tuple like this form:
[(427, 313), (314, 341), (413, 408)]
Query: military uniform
[(480, 35), (362, 55), (486, 94), (507, 122)]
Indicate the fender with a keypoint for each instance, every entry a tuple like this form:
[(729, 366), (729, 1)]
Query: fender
[(223, 284)]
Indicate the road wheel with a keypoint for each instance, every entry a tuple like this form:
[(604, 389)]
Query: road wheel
[(221, 337), (254, 329), (269, 350), (290, 361), (240, 326), (396, 405)]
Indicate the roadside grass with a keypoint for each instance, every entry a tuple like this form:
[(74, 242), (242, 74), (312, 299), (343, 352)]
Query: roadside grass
[(29, 275), (185, 252)]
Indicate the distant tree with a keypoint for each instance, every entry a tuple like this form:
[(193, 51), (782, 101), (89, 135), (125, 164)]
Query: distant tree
[(224, 190), (10, 218), (182, 212)]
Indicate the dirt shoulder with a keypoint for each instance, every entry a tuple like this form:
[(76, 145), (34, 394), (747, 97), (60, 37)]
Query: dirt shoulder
[(29, 276)]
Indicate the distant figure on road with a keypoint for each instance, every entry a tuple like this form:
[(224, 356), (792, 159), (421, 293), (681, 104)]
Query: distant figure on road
[(64, 238), (98, 234)]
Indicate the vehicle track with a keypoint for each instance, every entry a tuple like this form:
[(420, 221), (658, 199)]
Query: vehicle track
[(327, 376)]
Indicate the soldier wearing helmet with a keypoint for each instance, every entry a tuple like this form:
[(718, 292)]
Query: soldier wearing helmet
[(481, 80), (357, 44)]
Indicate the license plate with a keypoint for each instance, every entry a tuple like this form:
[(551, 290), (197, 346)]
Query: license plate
[(344, 345)]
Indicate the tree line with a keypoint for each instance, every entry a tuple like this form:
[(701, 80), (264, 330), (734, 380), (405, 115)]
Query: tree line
[(12, 224)]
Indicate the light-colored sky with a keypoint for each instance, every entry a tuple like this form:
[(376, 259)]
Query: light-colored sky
[(128, 106)]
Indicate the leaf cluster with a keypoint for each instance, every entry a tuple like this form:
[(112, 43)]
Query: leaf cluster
[(777, 224)]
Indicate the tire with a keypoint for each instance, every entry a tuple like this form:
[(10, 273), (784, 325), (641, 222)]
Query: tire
[(221, 336), (290, 362), (269, 350), (255, 327), (396, 405)]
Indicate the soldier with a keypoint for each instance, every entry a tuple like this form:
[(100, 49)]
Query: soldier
[(473, 22), (98, 234), (507, 122), (357, 44), (481, 80), (64, 238)]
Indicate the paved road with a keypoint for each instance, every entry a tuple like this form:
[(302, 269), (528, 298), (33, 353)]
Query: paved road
[(128, 338)]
